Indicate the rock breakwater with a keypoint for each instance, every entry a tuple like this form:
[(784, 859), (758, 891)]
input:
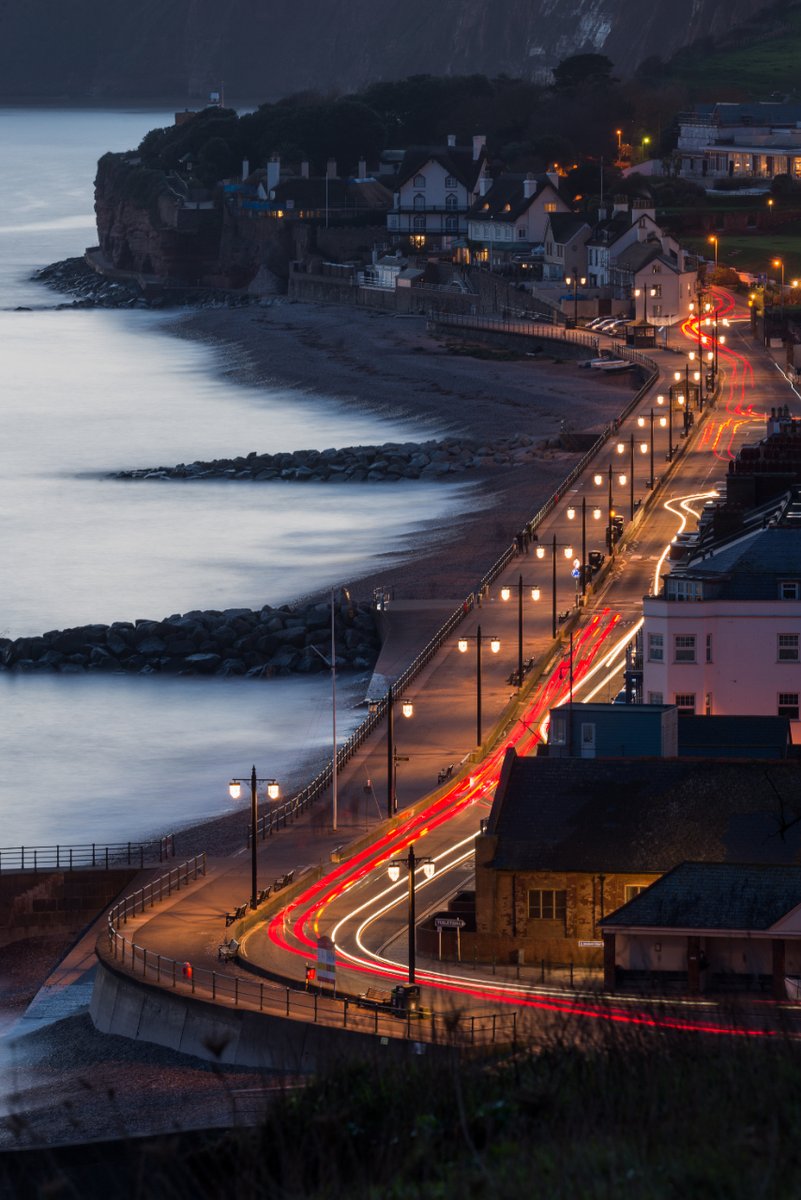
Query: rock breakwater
[(390, 461), (236, 641)]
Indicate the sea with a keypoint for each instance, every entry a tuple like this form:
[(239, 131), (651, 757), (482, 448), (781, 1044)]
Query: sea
[(85, 392)]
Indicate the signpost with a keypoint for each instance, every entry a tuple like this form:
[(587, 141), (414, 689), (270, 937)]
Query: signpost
[(456, 923), (326, 962)]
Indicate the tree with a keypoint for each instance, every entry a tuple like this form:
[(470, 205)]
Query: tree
[(581, 70)]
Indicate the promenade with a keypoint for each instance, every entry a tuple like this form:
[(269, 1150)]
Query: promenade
[(190, 926)]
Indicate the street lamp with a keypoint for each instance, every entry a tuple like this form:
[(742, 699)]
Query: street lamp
[(571, 513), (411, 863), (407, 708), (646, 141), (495, 646), (619, 133), (650, 444), (568, 552), (660, 401), (779, 262), (506, 593), (645, 294), (273, 791), (575, 280), (714, 242)]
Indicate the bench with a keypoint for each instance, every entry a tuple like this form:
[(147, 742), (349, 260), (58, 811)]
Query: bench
[(236, 915), (283, 880), (445, 773), (264, 894), (375, 998), (228, 950)]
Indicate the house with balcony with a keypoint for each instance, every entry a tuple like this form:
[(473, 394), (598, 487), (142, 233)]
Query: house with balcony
[(740, 141), (435, 188), (659, 276), (510, 215)]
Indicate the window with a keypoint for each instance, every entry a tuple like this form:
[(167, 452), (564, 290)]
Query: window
[(708, 705), (685, 702), (788, 705), (451, 182), (418, 223), (634, 889), (550, 206), (656, 291), (684, 648), (678, 588), (557, 734), (788, 590), (452, 224), (657, 310), (521, 231), (655, 698), (787, 647), (656, 647), (419, 202), (451, 201), (547, 905), (709, 647), (419, 181)]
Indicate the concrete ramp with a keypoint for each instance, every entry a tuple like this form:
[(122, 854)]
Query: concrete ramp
[(406, 627)]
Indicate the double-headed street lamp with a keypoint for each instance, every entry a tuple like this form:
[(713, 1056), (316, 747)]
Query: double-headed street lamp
[(273, 791), (506, 594), (660, 401), (575, 280), (646, 292), (407, 708), (411, 863), (495, 646), (610, 503), (568, 553), (650, 444)]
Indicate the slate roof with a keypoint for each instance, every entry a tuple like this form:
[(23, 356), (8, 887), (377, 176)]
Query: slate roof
[(646, 814), (456, 160), (565, 226), (508, 190), (729, 896), (609, 230), (640, 254), (749, 567), (762, 112), (341, 193)]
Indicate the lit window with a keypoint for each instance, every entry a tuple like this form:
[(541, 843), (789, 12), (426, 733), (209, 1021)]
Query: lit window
[(634, 889), (684, 648), (787, 647), (546, 904), (656, 647), (551, 206), (788, 705), (656, 290), (685, 702)]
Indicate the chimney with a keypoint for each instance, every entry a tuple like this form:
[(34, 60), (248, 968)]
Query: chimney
[(620, 204), (331, 169), (451, 139), (245, 169), (553, 177), (479, 142), (362, 168), (273, 172), (484, 185), (643, 208), (530, 186), (304, 169)]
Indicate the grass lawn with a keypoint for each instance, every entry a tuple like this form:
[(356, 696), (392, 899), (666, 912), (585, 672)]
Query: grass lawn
[(754, 252), (755, 69)]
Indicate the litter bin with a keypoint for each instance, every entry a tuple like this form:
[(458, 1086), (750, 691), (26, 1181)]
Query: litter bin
[(406, 998)]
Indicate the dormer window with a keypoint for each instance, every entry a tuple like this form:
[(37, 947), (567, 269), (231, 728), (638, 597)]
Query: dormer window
[(789, 589), (451, 182), (419, 181), (507, 208), (485, 206)]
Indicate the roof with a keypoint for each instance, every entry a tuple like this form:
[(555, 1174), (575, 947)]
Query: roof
[(749, 567), (455, 160), (730, 896), (757, 737), (610, 229), (645, 814), (762, 112), (565, 226), (339, 193), (506, 199)]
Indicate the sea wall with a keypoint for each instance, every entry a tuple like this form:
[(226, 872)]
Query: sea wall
[(236, 641)]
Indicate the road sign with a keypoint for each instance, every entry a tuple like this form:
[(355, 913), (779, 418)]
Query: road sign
[(449, 923), (326, 960), (576, 572)]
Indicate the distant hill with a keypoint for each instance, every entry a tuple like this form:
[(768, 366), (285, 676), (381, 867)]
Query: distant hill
[(179, 50)]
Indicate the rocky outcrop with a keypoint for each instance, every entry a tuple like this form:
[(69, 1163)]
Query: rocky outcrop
[(356, 464), (236, 641)]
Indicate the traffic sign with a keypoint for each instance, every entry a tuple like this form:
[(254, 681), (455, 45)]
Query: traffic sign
[(449, 923), (576, 572)]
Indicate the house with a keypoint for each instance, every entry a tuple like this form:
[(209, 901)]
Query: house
[(271, 193), (709, 925), (510, 215), (660, 276), (723, 634), (740, 141), (565, 239), (567, 842), (434, 190)]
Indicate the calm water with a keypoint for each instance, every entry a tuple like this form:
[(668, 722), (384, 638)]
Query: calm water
[(83, 393)]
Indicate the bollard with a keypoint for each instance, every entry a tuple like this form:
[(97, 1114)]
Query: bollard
[(186, 970)]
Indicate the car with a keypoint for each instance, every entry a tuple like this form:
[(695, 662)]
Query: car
[(621, 697), (596, 322)]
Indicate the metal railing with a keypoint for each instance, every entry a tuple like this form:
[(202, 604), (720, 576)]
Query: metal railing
[(155, 891), (74, 858), (524, 327)]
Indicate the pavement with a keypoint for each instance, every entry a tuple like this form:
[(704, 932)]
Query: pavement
[(442, 732)]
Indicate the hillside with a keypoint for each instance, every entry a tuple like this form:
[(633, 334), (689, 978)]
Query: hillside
[(178, 50)]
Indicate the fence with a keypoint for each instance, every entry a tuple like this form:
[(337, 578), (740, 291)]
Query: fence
[(155, 891), (523, 327), (74, 858)]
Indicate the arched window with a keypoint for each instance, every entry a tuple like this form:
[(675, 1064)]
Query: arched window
[(451, 224), (419, 181), (419, 201), (451, 201)]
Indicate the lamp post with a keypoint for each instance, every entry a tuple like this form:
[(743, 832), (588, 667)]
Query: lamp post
[(571, 513), (610, 506), (660, 401), (779, 262), (407, 708), (411, 863), (575, 280), (495, 646), (568, 552), (641, 423), (235, 791), (714, 242), (621, 446), (506, 593), (645, 293)]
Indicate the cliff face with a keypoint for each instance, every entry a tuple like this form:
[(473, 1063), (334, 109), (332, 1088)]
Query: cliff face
[(181, 49)]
